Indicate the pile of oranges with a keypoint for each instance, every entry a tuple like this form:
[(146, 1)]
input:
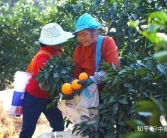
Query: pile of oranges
[(68, 88)]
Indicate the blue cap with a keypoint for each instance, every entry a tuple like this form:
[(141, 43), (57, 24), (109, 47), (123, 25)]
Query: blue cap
[(86, 21)]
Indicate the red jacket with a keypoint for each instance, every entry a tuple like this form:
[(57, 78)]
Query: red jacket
[(84, 56), (33, 87)]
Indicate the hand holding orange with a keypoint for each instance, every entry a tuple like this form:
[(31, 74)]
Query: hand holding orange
[(67, 88), (83, 76), (75, 85)]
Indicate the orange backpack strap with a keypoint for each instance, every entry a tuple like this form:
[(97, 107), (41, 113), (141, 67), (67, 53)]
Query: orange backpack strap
[(30, 66)]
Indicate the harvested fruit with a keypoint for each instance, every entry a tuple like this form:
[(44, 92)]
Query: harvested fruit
[(75, 85), (83, 76), (67, 88)]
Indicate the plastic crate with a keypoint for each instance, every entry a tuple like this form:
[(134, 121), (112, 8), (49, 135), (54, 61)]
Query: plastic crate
[(60, 134)]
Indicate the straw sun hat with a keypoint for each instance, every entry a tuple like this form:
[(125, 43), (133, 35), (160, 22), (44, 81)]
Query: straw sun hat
[(53, 34)]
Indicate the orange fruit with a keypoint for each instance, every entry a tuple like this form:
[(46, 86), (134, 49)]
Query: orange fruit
[(83, 76), (67, 88), (75, 85)]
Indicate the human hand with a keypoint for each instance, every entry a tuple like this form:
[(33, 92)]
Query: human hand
[(67, 96), (84, 83)]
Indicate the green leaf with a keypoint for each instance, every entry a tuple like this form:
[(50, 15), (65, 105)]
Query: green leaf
[(141, 72), (155, 118), (111, 135), (161, 68), (112, 98), (95, 134), (113, 67), (144, 106), (96, 118), (116, 81), (135, 16), (133, 24), (105, 65), (39, 76), (86, 133), (161, 56), (128, 85), (145, 114), (122, 101), (122, 123), (56, 75), (157, 104), (135, 123), (162, 16), (64, 71), (107, 79), (132, 90), (115, 108), (46, 75), (84, 127), (136, 135), (115, 5)]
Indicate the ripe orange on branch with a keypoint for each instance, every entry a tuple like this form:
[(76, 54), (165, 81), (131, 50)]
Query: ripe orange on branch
[(67, 88), (83, 76), (75, 85)]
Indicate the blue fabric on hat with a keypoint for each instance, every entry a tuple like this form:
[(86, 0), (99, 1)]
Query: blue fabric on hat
[(86, 21)]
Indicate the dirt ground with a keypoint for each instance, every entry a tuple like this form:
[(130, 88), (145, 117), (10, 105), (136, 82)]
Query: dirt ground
[(10, 126)]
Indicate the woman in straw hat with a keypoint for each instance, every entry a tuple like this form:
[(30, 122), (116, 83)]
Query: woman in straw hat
[(35, 99)]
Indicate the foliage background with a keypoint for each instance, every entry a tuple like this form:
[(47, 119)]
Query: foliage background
[(141, 75), (20, 26)]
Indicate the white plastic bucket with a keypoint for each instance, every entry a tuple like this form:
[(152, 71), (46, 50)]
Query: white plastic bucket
[(59, 134), (21, 80)]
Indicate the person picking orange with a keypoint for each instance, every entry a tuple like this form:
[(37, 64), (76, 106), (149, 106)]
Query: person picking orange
[(85, 53)]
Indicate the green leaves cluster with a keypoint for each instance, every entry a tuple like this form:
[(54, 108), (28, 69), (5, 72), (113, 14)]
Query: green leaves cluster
[(154, 128), (89, 127), (55, 73), (140, 76), (123, 89), (19, 31), (136, 81), (20, 28), (155, 31), (155, 109)]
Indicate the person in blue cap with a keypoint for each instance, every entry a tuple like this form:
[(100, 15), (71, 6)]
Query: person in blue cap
[(85, 53)]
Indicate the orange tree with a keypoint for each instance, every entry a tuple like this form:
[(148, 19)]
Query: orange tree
[(19, 30), (21, 24), (140, 75), (154, 109)]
